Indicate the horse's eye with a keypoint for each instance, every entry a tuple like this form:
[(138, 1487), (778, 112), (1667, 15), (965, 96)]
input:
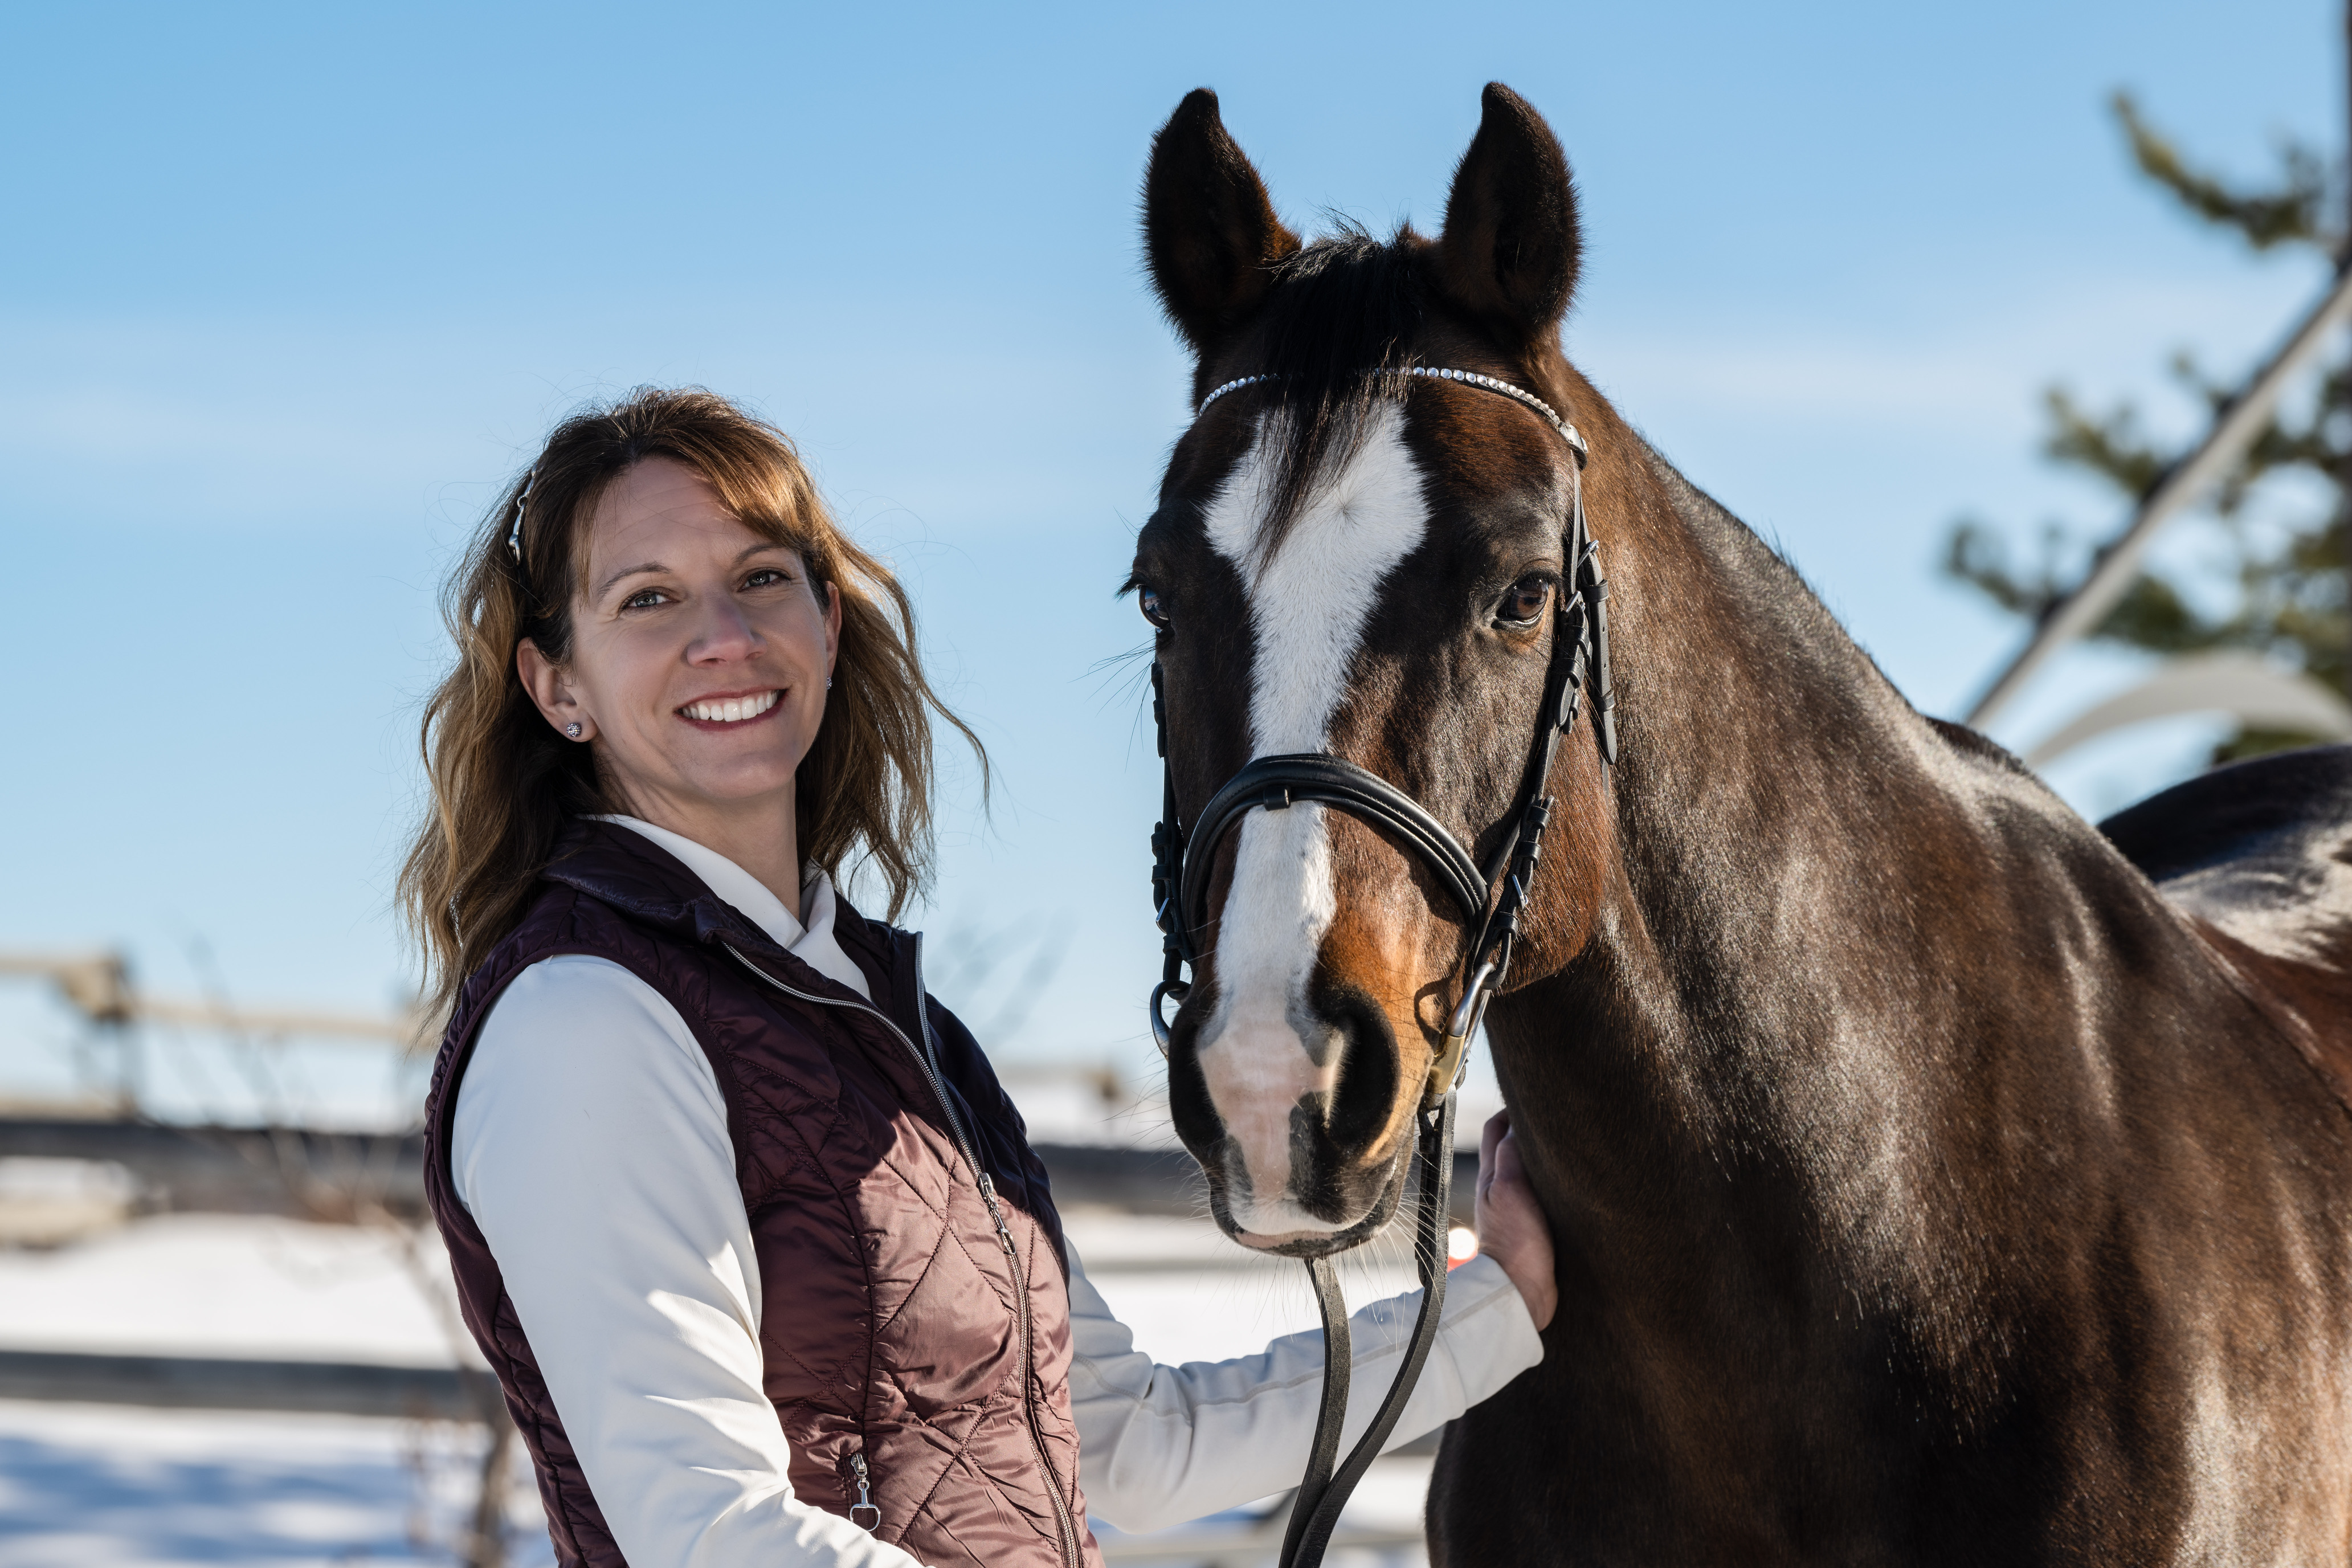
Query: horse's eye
[(1154, 607), (1529, 598)]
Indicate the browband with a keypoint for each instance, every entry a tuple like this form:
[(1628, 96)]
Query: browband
[(1467, 377)]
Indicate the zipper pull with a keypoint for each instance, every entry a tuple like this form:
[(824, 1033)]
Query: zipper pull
[(865, 1503), (1003, 1232)]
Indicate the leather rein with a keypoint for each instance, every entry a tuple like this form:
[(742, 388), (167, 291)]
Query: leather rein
[(1182, 860)]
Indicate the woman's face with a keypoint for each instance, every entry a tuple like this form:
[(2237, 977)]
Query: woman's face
[(700, 652)]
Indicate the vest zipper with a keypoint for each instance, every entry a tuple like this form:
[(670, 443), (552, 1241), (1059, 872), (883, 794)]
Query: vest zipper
[(865, 1503), (929, 1066)]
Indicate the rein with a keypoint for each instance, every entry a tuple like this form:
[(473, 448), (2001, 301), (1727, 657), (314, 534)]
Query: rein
[(1182, 865)]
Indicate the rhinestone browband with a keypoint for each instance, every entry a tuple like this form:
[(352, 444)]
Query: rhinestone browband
[(1468, 377)]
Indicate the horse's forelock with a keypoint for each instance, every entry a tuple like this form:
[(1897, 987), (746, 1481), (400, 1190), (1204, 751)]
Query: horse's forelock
[(1337, 328)]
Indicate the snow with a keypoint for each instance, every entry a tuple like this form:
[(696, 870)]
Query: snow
[(87, 1485), (114, 1487), (235, 1285)]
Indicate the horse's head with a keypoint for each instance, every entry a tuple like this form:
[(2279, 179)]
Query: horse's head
[(1351, 560)]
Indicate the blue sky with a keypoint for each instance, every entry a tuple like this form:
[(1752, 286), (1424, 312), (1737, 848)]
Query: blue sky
[(290, 292)]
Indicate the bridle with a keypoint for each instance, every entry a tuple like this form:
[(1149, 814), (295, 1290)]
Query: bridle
[(1181, 869)]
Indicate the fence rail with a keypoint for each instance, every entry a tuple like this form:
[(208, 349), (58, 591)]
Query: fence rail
[(323, 1175), (210, 1382)]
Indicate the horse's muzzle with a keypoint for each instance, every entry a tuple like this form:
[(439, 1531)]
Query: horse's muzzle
[(1302, 1147)]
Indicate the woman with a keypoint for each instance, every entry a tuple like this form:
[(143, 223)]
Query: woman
[(738, 1213)]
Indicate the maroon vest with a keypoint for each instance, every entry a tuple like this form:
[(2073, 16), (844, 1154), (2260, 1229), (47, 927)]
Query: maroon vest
[(896, 1328)]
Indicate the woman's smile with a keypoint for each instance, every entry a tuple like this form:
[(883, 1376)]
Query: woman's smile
[(731, 711)]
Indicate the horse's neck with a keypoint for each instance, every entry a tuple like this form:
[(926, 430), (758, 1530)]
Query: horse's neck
[(1799, 982), (1777, 800)]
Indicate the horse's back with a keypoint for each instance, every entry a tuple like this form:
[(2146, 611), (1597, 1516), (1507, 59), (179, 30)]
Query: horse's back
[(2261, 853)]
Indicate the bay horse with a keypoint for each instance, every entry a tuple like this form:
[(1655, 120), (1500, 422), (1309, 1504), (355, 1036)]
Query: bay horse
[(1935, 1178)]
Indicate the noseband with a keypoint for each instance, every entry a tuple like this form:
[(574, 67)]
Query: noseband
[(1182, 864)]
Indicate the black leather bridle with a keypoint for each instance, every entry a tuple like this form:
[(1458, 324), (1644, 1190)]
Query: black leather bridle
[(1181, 869)]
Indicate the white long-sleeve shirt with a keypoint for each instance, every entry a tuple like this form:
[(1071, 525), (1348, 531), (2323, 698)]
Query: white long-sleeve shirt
[(590, 1145)]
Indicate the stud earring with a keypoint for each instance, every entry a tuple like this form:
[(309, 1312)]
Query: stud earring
[(828, 683), (572, 728)]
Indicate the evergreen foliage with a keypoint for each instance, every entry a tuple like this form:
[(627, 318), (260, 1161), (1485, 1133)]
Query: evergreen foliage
[(2291, 581)]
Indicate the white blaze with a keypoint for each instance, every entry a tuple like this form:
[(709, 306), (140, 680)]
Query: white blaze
[(1308, 604)]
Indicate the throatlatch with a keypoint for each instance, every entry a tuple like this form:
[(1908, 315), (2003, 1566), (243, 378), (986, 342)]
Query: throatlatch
[(1180, 867)]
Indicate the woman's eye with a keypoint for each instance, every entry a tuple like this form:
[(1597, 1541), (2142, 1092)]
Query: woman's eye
[(1529, 598), (644, 599), (1154, 607), (765, 577)]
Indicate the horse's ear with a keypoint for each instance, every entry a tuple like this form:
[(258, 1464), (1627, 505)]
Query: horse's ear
[(1509, 250), (1207, 227)]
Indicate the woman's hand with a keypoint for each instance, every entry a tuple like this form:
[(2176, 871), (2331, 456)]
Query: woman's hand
[(1511, 1225)]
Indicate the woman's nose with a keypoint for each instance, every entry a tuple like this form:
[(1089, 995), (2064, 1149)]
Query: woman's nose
[(723, 634)]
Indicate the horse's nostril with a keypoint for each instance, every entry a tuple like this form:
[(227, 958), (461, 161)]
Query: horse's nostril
[(1363, 1101), (1333, 1131)]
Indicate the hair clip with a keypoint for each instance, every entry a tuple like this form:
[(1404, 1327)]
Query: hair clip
[(523, 504)]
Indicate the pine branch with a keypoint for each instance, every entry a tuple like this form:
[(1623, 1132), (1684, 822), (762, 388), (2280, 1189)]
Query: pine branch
[(2289, 214), (2110, 445), (2151, 614), (1975, 554)]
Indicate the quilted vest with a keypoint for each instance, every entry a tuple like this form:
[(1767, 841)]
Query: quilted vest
[(902, 1327)]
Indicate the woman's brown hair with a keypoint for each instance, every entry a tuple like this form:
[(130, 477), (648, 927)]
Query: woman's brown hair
[(504, 783)]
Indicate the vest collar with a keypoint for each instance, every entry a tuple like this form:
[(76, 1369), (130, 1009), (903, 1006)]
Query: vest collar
[(616, 866)]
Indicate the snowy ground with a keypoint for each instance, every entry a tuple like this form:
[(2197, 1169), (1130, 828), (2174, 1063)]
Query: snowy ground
[(111, 1487), (88, 1486)]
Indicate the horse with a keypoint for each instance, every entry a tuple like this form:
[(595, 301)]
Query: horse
[(1934, 1177)]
